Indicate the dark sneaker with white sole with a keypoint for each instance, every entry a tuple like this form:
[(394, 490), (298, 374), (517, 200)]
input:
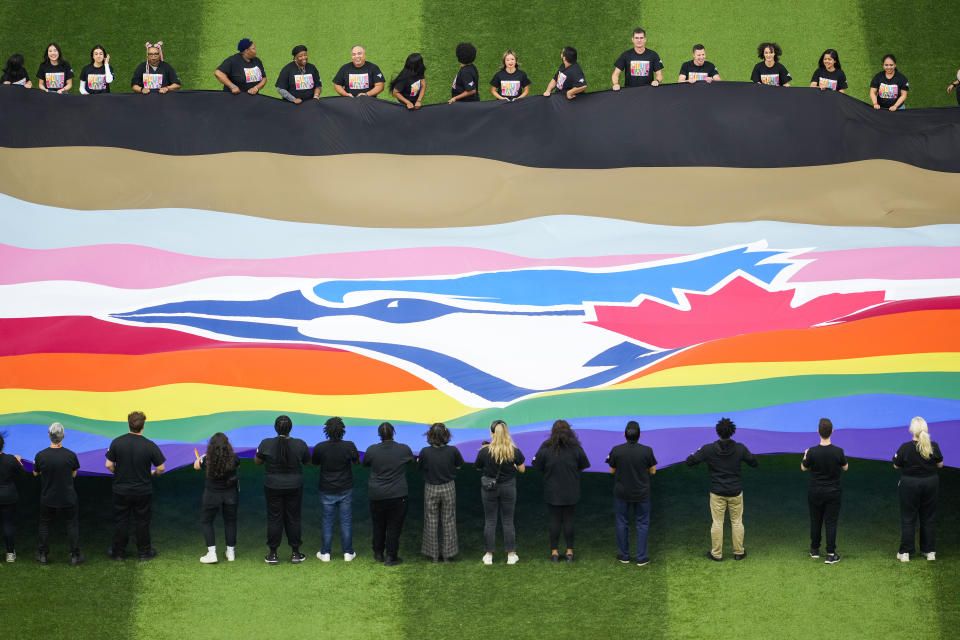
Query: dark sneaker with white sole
[(832, 558)]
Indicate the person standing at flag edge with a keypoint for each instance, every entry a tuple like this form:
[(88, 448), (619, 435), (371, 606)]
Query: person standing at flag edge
[(918, 460), (467, 80), (410, 85), (699, 69), (54, 73), (889, 88), (510, 82), (358, 77), (826, 464), (953, 84), (561, 459), (10, 467), (829, 75), (154, 74), (723, 458), (284, 458), (299, 80), (569, 79), (243, 71), (439, 463), (643, 66), (96, 77), (632, 464), (769, 71), (57, 467), (387, 492), (15, 72), (498, 463), (221, 492), (335, 457)]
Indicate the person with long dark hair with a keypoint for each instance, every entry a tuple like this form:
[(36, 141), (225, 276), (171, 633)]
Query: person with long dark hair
[(889, 88), (410, 85), (96, 77), (829, 74), (335, 457), (498, 462), (467, 81), (439, 463), (769, 71), (387, 492), (283, 488), (54, 73), (918, 460), (15, 72), (221, 492), (10, 468), (561, 459)]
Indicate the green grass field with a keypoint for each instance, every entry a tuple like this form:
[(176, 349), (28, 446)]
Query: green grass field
[(200, 33), (776, 592)]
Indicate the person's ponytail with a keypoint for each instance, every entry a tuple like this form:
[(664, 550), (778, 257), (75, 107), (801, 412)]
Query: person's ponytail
[(918, 427)]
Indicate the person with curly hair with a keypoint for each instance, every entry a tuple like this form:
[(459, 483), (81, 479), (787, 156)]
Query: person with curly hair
[(467, 80), (439, 463), (769, 71), (221, 492), (561, 459), (335, 457)]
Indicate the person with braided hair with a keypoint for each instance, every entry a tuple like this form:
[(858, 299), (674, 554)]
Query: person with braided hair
[(918, 460), (154, 74), (335, 457), (221, 491), (283, 457)]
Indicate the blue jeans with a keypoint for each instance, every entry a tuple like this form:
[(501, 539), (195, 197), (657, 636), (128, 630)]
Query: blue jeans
[(642, 517), (330, 504)]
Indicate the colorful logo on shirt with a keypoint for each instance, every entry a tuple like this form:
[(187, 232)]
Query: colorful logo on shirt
[(152, 81), (773, 79), (827, 83), (358, 81), (561, 79), (697, 76), (303, 81), (509, 88), (96, 82), (639, 67), (252, 74), (889, 91), (54, 80), (22, 82), (415, 89)]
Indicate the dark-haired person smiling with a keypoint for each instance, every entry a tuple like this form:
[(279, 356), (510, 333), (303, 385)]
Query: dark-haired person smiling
[(96, 77), (889, 88), (829, 75), (387, 492), (221, 492), (54, 73), (769, 71), (699, 69), (335, 457), (510, 82), (283, 488), (439, 463), (561, 459), (299, 80), (359, 77)]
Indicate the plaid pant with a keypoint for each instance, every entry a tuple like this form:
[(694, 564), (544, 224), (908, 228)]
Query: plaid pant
[(440, 510)]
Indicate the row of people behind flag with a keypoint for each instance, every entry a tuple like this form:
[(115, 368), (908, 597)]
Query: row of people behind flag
[(299, 80), (133, 459)]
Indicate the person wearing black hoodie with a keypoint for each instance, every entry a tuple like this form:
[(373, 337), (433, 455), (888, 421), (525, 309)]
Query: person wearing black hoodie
[(723, 458)]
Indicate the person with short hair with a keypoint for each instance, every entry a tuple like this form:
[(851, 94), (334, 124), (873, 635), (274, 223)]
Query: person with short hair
[(723, 458), (569, 78), (15, 72), (510, 82), (54, 73), (387, 492), (57, 467), (829, 74), (284, 458), (95, 78), (561, 459), (498, 463), (410, 85), (133, 460), (154, 74), (632, 464), (699, 69), (467, 80), (826, 464), (335, 458), (299, 80), (889, 88), (439, 463), (769, 71), (358, 77), (643, 66), (918, 460), (10, 467), (221, 492), (243, 72)]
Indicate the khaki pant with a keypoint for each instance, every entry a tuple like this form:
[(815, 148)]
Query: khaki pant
[(718, 506)]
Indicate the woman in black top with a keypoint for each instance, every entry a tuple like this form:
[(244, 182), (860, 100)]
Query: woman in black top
[(498, 462), (510, 83), (561, 459), (96, 76), (10, 468), (918, 461), (54, 73), (888, 89), (16, 73), (439, 463), (387, 492), (829, 74), (410, 85), (154, 74), (769, 70), (221, 490), (283, 487)]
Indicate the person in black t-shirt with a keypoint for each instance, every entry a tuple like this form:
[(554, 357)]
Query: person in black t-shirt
[(10, 468), (769, 71), (283, 488), (439, 463), (643, 66), (335, 457), (243, 71), (221, 491), (829, 74), (510, 83), (410, 85), (889, 88), (918, 461), (154, 74), (358, 77), (561, 459), (632, 464), (57, 467), (569, 78), (16, 73), (826, 464), (723, 458), (299, 80), (54, 73), (96, 77), (467, 80), (954, 84), (387, 492), (699, 69), (498, 462), (130, 458)]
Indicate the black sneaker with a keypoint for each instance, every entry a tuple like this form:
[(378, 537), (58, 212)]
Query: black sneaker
[(392, 562), (740, 556), (76, 559), (115, 555), (271, 558), (378, 557), (832, 558), (814, 553), (713, 557), (149, 555), (643, 562), (623, 559), (42, 558), (569, 558), (296, 557)]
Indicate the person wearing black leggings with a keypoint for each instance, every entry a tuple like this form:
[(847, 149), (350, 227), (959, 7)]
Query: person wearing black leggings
[(561, 459), (284, 458), (918, 461), (10, 468)]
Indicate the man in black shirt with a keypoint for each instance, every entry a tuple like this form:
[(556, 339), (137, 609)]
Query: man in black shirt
[(569, 78), (643, 66), (699, 69), (358, 77), (723, 458), (130, 458), (632, 464), (335, 457), (387, 492), (57, 467), (826, 464)]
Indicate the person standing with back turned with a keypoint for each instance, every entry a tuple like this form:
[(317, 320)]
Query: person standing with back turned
[(632, 464), (826, 464)]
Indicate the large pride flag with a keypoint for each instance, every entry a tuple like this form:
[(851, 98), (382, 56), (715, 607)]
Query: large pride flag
[(669, 256)]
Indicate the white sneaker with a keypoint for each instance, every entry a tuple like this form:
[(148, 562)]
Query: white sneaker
[(903, 557), (488, 558), (323, 557), (12, 557), (210, 558), (231, 554), (347, 557), (513, 558), (932, 555)]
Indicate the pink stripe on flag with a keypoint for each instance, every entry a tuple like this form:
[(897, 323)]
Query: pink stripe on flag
[(884, 263)]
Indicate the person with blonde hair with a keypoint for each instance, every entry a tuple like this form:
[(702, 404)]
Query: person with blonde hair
[(498, 462), (918, 461)]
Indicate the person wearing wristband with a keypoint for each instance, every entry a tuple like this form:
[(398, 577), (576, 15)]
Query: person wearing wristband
[(954, 84), (643, 66), (889, 88), (358, 77), (299, 80), (410, 85), (243, 71), (829, 75)]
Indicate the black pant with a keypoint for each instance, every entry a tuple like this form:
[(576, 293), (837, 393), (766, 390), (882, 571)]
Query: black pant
[(70, 516), (283, 514), (918, 497), (824, 509), (387, 516), (8, 515), (502, 502), (212, 503), (561, 516), (140, 508)]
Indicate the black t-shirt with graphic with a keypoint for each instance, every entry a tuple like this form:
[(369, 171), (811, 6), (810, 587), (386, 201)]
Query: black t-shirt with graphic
[(439, 464), (912, 463), (95, 79), (335, 457), (640, 68), (410, 88), (19, 76), (243, 73), (299, 82), (56, 467), (825, 463), (776, 76), (701, 73), (9, 470), (279, 474), (569, 78), (631, 478), (356, 80), (889, 89), (467, 79), (156, 77), (55, 76), (133, 456), (834, 80), (510, 85)]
